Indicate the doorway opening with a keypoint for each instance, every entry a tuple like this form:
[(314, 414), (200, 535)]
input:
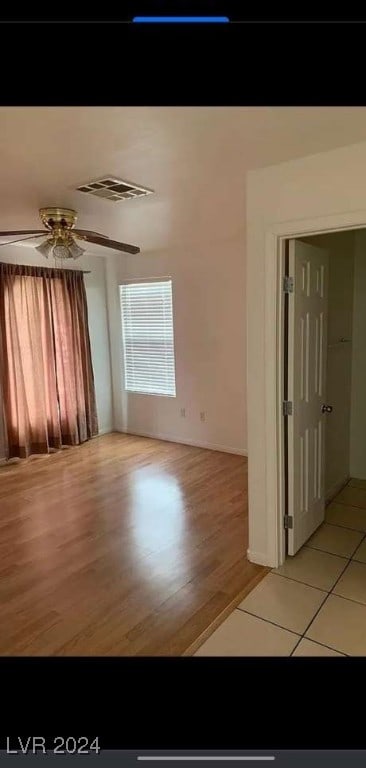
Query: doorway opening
[(324, 383)]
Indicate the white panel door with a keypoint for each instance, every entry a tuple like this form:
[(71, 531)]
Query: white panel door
[(307, 390)]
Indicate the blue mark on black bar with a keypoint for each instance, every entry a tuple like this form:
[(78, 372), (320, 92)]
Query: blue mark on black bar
[(181, 19)]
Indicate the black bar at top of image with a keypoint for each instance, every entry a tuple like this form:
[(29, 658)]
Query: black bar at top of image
[(182, 65), (236, 10)]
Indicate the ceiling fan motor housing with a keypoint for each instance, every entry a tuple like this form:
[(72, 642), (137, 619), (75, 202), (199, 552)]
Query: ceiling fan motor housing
[(58, 219)]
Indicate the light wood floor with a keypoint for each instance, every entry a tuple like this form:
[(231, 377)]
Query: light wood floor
[(122, 546)]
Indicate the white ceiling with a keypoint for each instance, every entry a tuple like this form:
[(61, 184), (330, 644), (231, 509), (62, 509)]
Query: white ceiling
[(194, 158)]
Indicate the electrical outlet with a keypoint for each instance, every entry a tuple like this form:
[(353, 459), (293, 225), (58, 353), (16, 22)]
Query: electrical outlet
[(203, 415), (183, 413)]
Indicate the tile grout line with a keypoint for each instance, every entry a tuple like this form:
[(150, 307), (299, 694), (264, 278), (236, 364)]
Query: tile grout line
[(305, 583), (347, 504), (317, 642), (310, 623), (268, 621), (323, 604), (347, 599), (353, 553), (344, 527), (286, 629), (326, 551), (334, 525), (344, 557), (292, 631), (325, 592), (349, 560), (338, 501)]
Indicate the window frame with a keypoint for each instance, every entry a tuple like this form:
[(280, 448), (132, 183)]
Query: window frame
[(146, 281)]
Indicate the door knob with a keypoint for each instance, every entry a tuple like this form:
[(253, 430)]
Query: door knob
[(327, 408)]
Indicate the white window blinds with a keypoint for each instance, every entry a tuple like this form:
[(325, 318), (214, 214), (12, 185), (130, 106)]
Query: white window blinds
[(148, 338)]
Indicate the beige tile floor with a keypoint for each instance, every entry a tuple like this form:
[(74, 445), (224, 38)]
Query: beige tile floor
[(315, 604)]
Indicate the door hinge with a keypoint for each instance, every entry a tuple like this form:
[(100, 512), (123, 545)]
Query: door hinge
[(288, 284), (288, 522), (287, 407)]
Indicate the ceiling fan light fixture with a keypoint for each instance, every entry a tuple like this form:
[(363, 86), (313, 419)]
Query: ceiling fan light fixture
[(75, 250), (45, 249), (61, 250)]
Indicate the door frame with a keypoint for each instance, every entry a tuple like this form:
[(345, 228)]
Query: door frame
[(275, 239)]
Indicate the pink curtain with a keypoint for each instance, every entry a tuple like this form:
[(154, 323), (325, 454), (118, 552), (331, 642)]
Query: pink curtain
[(45, 359)]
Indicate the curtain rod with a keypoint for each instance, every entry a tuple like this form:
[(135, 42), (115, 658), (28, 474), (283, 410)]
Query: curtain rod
[(83, 271)]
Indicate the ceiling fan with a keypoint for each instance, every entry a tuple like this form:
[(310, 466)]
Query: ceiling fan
[(61, 235)]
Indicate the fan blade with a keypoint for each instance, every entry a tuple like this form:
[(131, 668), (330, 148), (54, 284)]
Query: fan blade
[(111, 243), (24, 232), (22, 239), (87, 232)]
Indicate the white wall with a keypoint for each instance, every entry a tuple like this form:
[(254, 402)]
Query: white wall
[(95, 284), (328, 188), (340, 246), (209, 330), (358, 409)]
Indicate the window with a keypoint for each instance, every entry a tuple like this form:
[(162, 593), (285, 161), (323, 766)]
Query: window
[(148, 338)]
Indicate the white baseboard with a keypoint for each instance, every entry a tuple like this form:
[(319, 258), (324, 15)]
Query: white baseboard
[(259, 558), (168, 438), (336, 488), (186, 441)]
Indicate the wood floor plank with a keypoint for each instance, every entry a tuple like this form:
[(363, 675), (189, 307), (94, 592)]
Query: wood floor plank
[(122, 546)]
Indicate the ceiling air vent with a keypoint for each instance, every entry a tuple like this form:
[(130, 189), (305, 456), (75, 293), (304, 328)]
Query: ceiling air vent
[(114, 189)]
